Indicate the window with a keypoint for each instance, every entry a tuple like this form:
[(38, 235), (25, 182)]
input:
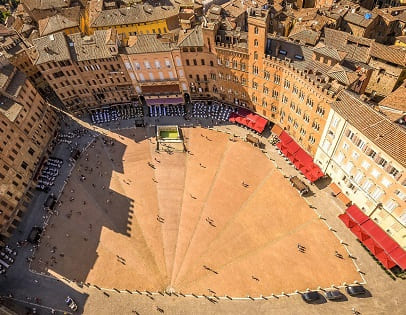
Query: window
[(355, 155), (276, 79), (284, 99), (326, 145), (267, 75), (375, 173), (169, 65), (340, 157), (348, 167), (194, 62), (275, 94), (346, 146), (256, 30), (179, 62), (358, 177), (24, 165), (309, 102), (255, 55), (400, 194), (187, 62), (127, 65), (367, 185), (390, 205), (255, 42), (151, 76), (147, 65), (157, 64), (286, 84), (377, 193), (312, 140), (295, 89), (306, 118), (386, 182), (365, 165), (31, 151)]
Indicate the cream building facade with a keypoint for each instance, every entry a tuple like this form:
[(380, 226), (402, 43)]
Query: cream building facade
[(362, 152)]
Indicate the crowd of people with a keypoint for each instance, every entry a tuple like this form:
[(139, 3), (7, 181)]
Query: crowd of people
[(69, 136), (167, 110), (212, 110), (49, 173), (116, 112)]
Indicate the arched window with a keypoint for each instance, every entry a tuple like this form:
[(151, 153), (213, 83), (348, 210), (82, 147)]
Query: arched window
[(255, 42), (256, 30), (255, 55)]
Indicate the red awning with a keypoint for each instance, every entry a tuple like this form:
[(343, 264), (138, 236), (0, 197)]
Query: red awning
[(293, 147), (398, 255), (249, 119), (385, 260), (347, 220), (378, 242), (285, 138), (299, 157), (356, 230), (372, 246), (356, 214)]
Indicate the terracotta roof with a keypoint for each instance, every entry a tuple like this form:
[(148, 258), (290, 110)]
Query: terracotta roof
[(55, 24), (45, 4), (385, 134), (131, 15), (193, 39), (357, 48), (51, 48), (342, 74), (392, 54), (305, 36), (358, 18), (396, 100), (331, 52), (150, 43), (102, 44)]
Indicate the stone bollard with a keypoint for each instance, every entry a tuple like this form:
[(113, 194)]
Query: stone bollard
[(140, 293), (194, 295), (229, 297), (148, 292), (180, 293), (251, 298), (128, 291), (117, 290)]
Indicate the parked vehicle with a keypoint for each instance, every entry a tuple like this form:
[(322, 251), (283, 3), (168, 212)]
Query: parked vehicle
[(334, 295), (310, 296), (355, 290)]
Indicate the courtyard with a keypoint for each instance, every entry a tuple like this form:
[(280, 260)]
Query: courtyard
[(213, 218)]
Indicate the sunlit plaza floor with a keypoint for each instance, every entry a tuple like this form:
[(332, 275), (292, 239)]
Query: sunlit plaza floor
[(220, 217)]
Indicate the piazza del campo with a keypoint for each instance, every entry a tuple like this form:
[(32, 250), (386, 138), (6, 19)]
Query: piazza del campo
[(202, 157)]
